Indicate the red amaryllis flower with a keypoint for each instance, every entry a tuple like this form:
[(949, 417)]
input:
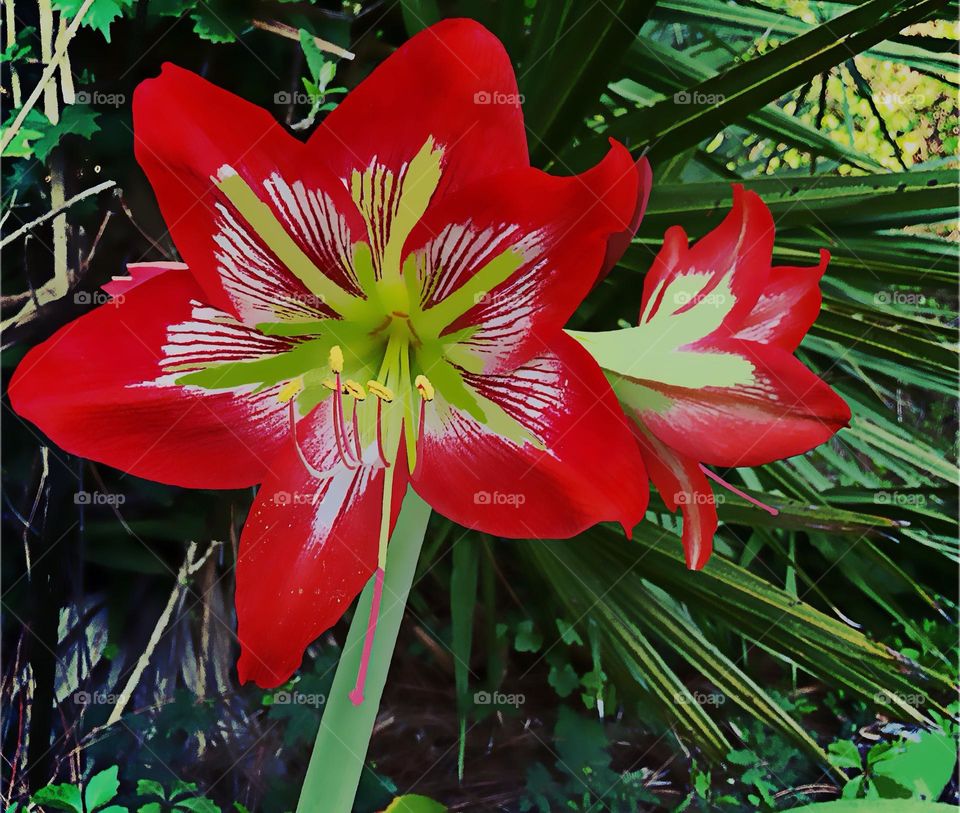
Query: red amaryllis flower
[(379, 306), (709, 375)]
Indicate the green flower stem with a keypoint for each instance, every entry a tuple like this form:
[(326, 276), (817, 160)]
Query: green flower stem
[(345, 730)]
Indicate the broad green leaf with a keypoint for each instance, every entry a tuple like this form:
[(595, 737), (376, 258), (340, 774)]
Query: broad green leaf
[(59, 797), (414, 803), (875, 806), (100, 14), (669, 127), (75, 119), (463, 598), (102, 788)]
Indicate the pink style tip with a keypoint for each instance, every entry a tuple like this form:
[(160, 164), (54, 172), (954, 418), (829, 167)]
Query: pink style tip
[(356, 696), (716, 477)]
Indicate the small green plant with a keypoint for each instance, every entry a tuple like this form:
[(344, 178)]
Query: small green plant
[(101, 789), (916, 766)]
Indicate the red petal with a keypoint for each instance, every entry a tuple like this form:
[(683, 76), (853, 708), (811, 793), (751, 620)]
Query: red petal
[(788, 307), (563, 226), (138, 273), (719, 279), (590, 472), (185, 131), (84, 387), (452, 81), (787, 410), (307, 549), (619, 242), (681, 483)]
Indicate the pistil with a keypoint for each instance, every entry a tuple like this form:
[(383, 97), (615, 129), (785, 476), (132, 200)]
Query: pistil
[(718, 479)]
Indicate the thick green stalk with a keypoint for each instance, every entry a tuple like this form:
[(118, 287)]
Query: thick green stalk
[(338, 754)]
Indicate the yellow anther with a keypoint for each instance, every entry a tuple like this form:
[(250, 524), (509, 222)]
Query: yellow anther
[(290, 390), (424, 387), (381, 391), (354, 389), (331, 384), (336, 359)]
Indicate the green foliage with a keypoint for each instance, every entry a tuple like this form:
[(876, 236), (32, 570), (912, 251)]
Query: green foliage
[(414, 803), (845, 120), (100, 789), (100, 15), (37, 137), (917, 766), (583, 779)]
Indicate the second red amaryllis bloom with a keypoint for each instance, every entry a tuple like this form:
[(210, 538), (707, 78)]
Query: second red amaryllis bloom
[(380, 306), (709, 374)]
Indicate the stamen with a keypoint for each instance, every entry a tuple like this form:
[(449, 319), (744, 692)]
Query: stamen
[(356, 432), (313, 472), (427, 393), (383, 456), (354, 389), (336, 359), (424, 387), (356, 696), (290, 390), (339, 429), (717, 478), (383, 394), (381, 391)]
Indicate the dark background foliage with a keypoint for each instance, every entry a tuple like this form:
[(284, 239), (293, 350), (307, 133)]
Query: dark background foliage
[(625, 682)]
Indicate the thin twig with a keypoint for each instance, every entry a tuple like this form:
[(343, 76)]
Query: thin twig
[(10, 22), (292, 33), (187, 569), (10, 133), (93, 190)]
